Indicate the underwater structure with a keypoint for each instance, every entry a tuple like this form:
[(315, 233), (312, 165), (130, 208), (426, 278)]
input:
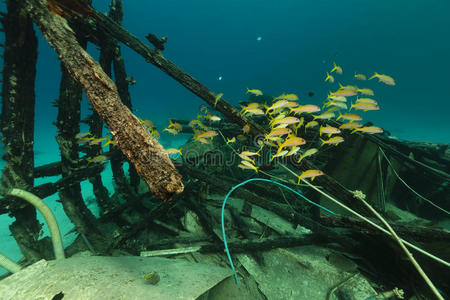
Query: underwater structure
[(268, 221)]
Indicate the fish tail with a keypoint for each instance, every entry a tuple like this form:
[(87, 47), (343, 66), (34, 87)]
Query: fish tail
[(323, 142), (351, 106)]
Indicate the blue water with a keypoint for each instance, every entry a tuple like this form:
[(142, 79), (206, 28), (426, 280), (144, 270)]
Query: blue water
[(282, 47)]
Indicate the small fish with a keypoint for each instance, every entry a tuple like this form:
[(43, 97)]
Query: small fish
[(349, 116), (171, 151), (307, 153), (246, 129), (241, 138), (311, 124), (250, 153), (350, 126), (360, 76), (171, 130), (324, 116), (81, 135), (333, 141), (205, 135), (308, 108), (366, 92), (232, 140), (291, 141), (344, 92), (98, 159), (293, 151), (336, 69), (195, 123), (337, 98), (218, 96), (278, 104), (245, 164), (175, 125), (109, 141), (255, 92), (338, 104), (383, 78), (286, 120), (212, 118), (96, 141), (279, 154), (309, 174), (366, 100), (369, 129), (254, 111), (203, 140), (364, 106), (290, 97), (329, 78), (278, 132), (328, 130)]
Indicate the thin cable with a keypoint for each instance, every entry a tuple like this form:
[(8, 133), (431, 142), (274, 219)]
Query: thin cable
[(223, 213)]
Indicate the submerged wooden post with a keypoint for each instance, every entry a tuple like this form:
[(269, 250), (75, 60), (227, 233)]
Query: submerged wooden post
[(148, 156)]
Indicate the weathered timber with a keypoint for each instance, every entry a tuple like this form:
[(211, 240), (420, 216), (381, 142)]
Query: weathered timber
[(17, 126), (151, 161), (408, 232), (120, 74)]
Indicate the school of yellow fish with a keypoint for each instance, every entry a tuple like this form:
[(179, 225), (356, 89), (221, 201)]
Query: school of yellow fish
[(286, 120)]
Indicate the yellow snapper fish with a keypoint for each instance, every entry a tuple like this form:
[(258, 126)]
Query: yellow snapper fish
[(109, 141), (350, 126), (291, 141), (360, 76), (278, 132), (212, 118), (218, 96), (254, 111), (98, 159), (291, 97), (337, 98), (366, 100), (311, 124), (308, 108), (329, 78), (245, 164), (383, 78), (364, 106), (328, 130), (324, 116), (278, 104), (255, 92), (369, 129), (349, 116), (279, 154), (366, 92), (336, 69), (171, 130), (285, 120), (172, 151), (81, 135), (309, 174), (205, 135), (246, 128), (344, 92), (232, 140), (307, 153), (96, 141), (175, 125), (333, 141), (338, 104)]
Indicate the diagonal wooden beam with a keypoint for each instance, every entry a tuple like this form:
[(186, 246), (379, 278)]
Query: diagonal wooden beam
[(148, 156)]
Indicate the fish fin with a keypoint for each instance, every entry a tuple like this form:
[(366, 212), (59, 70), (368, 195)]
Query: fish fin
[(340, 115)]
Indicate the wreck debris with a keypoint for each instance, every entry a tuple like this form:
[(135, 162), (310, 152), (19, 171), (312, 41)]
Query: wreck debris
[(148, 156)]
